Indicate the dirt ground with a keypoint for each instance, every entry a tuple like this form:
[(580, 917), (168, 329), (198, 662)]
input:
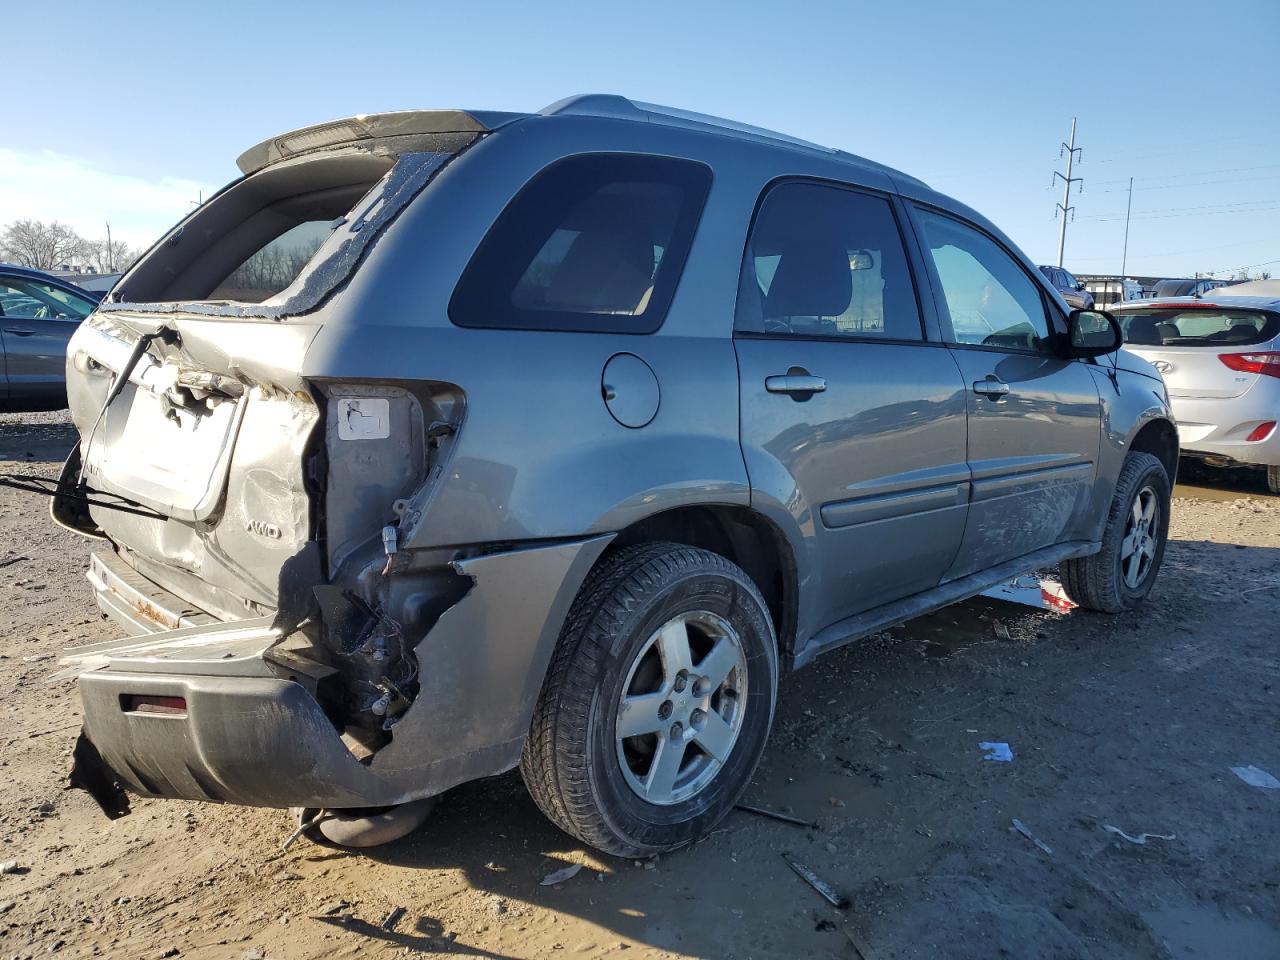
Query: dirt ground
[(1131, 722)]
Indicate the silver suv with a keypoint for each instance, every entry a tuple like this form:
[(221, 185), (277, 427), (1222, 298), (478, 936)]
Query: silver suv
[(445, 442)]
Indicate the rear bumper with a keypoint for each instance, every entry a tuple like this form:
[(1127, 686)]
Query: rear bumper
[(252, 733), (1218, 428)]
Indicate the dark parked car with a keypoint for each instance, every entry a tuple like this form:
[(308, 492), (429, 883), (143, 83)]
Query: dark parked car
[(1188, 287), (38, 315), (455, 441), (1072, 290)]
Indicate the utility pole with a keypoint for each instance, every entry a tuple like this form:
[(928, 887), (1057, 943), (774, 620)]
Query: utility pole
[(1065, 206), (110, 253), (1124, 257)]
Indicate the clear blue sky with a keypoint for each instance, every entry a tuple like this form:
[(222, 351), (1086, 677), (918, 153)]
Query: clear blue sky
[(132, 108)]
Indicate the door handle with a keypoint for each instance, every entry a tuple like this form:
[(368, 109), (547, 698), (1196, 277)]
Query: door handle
[(800, 385), (992, 387), (19, 332)]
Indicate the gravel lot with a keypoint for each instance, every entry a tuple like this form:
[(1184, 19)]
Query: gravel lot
[(1131, 722)]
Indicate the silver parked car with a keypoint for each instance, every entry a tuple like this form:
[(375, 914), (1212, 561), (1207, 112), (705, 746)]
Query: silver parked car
[(446, 442), (1220, 358)]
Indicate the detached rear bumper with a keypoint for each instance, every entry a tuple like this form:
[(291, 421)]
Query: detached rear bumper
[(241, 725), (255, 741)]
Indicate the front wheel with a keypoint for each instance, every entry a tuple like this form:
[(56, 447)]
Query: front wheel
[(1120, 575), (658, 701)]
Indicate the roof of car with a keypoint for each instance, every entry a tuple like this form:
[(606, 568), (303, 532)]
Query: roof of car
[(13, 270), (373, 126), (1253, 294)]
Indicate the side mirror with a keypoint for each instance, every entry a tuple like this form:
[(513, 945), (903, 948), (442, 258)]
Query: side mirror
[(1092, 333)]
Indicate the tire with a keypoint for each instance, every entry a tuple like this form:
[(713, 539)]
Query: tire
[(1108, 581), (608, 790), (1273, 479)]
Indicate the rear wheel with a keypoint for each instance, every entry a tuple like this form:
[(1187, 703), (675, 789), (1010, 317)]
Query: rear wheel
[(1120, 575), (658, 701), (1273, 479)]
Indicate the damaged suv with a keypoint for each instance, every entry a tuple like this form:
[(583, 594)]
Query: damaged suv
[(445, 442)]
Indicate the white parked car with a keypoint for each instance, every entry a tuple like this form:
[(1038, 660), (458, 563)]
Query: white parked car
[(1220, 358)]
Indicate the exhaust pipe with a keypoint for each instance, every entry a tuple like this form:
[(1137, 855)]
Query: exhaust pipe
[(361, 828)]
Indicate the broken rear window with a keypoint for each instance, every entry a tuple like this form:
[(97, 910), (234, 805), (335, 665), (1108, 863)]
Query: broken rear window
[(278, 242)]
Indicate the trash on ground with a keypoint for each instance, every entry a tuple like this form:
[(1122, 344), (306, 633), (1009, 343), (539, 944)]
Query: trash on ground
[(1023, 829), (11, 866), (560, 876), (1032, 591), (995, 750), (1256, 777), (1141, 839), (824, 889), (391, 919), (775, 815)]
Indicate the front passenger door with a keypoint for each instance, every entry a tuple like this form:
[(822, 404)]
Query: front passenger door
[(1034, 416)]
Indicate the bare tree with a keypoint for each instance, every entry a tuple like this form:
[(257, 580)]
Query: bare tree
[(116, 258), (42, 246)]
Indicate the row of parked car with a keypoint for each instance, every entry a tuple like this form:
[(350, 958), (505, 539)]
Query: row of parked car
[(1108, 291)]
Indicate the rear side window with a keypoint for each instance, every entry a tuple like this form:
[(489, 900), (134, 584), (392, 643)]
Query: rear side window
[(1201, 327), (594, 243), (824, 261), (990, 299)]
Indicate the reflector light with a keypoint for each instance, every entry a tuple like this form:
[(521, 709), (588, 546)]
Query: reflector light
[(1260, 432)]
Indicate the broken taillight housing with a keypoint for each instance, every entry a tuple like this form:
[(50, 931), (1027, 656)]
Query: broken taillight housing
[(1268, 363), (161, 706)]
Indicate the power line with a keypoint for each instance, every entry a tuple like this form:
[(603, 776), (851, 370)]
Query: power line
[(1199, 173), (1175, 216), (1182, 151), (1202, 183), (1207, 207)]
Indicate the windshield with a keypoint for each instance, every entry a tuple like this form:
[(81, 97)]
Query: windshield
[(1204, 327)]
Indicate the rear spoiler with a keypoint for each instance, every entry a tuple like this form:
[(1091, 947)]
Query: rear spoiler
[(370, 126)]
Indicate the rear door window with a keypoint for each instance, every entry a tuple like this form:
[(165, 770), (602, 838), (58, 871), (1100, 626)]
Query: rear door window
[(826, 261), (594, 243), (1199, 327)]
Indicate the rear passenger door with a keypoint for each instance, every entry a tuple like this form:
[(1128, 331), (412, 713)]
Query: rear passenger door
[(851, 422), (1034, 416)]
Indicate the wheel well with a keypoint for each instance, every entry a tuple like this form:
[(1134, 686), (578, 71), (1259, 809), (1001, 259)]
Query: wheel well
[(739, 535), (1160, 439)]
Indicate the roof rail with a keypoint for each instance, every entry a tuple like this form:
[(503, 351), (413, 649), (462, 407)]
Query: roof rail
[(621, 108)]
